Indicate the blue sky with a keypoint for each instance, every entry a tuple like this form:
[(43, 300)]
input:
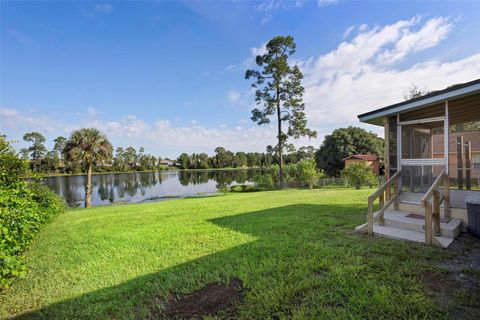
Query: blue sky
[(169, 76)]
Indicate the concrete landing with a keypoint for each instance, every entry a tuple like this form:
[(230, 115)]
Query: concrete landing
[(400, 219), (408, 235), (399, 226)]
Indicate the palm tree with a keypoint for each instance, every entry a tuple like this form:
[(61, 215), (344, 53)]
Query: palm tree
[(88, 146)]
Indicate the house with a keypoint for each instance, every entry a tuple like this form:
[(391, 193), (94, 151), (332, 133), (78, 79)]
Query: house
[(168, 163), (432, 164), (370, 159), (474, 155)]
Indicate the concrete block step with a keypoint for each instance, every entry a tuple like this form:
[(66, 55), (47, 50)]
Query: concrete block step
[(408, 235), (401, 220)]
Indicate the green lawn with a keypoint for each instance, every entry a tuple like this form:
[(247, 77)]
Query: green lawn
[(294, 250)]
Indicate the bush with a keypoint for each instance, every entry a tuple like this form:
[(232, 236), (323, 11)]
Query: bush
[(359, 174), (307, 172), (291, 172), (48, 201), (242, 188), (24, 207), (264, 180), (274, 172)]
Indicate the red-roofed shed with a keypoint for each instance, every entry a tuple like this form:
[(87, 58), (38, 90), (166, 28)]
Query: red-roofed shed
[(371, 159)]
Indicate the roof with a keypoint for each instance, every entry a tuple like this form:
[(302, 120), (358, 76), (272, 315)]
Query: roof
[(366, 157), (451, 92)]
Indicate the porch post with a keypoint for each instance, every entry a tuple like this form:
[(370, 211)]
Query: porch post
[(446, 183), (386, 125), (399, 155)]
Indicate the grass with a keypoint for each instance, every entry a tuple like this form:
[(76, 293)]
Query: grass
[(294, 250)]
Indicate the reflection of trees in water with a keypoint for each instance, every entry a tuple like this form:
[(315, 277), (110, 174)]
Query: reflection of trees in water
[(184, 178), (222, 177), (129, 184), (118, 186), (106, 187), (112, 187), (148, 179), (73, 190)]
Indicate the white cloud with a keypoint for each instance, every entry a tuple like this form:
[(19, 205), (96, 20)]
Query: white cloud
[(433, 32), (254, 52), (191, 138), (156, 136), (105, 8), (97, 11), (6, 114), (266, 19), (258, 51), (91, 111), (271, 5), (267, 8), (231, 67), (233, 96), (348, 31), (322, 3), (12, 119), (20, 36), (364, 73)]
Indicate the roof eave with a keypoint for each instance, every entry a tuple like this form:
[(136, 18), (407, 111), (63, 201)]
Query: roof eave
[(374, 117)]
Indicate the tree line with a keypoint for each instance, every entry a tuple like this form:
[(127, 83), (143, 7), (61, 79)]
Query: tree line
[(44, 161), (57, 161), (341, 143), (227, 159)]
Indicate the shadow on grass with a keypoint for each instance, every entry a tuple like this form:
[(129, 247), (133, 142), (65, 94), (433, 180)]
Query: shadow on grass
[(304, 261)]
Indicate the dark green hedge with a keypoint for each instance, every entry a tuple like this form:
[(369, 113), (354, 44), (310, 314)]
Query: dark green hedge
[(24, 208)]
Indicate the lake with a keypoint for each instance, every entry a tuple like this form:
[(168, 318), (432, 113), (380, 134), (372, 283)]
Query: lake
[(135, 187)]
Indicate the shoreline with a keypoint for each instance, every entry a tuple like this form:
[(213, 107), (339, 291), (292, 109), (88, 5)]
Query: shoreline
[(49, 175)]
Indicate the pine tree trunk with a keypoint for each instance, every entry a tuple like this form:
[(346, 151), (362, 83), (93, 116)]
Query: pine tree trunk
[(88, 187), (280, 141)]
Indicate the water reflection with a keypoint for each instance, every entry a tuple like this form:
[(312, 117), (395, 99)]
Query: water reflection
[(145, 186)]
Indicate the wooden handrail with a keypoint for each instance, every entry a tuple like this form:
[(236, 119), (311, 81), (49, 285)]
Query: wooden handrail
[(432, 209), (434, 186), (380, 193), (384, 186), (380, 212)]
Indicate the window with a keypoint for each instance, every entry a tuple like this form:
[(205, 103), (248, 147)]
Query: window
[(476, 161)]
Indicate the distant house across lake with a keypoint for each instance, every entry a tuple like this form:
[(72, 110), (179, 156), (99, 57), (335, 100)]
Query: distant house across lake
[(168, 163), (370, 159)]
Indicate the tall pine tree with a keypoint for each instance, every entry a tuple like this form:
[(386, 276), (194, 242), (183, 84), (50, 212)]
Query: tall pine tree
[(280, 93)]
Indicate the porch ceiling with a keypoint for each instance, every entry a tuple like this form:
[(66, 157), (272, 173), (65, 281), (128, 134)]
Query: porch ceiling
[(464, 109), (460, 110)]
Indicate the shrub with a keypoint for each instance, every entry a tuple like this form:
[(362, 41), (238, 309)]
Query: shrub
[(264, 180), (359, 174), (274, 172), (49, 202), (24, 207), (242, 188), (307, 172), (291, 172)]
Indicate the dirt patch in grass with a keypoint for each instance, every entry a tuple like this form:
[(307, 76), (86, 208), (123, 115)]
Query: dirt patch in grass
[(456, 286), (214, 298)]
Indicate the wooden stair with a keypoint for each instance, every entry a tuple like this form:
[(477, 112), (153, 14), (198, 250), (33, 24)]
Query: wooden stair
[(403, 225)]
